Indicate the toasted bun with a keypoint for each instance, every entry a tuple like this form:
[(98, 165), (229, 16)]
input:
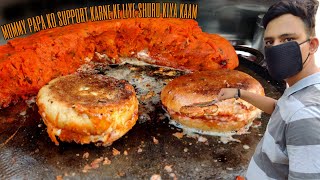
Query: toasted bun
[(88, 108), (224, 116)]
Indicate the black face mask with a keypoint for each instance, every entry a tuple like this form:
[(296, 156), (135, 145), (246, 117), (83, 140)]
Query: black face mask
[(284, 60)]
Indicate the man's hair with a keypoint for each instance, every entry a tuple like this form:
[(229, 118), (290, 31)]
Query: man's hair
[(304, 9)]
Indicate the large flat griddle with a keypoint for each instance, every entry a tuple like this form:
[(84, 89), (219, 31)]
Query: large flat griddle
[(30, 154)]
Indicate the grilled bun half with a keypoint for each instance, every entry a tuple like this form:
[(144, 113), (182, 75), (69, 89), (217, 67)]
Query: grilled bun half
[(87, 108), (225, 116)]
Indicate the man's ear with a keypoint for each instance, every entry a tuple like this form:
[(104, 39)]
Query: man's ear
[(314, 44)]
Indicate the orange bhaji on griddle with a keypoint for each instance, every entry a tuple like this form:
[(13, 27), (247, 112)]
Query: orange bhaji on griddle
[(26, 64)]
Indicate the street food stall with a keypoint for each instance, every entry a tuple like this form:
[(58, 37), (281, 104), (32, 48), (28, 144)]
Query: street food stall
[(155, 146)]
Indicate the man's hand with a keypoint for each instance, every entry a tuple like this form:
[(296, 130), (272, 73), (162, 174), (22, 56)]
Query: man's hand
[(266, 104), (227, 93)]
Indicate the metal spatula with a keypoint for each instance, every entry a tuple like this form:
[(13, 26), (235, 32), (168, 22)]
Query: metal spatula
[(189, 108), (204, 104)]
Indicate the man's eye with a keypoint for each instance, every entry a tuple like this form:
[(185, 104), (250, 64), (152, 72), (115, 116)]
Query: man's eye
[(268, 43), (288, 39)]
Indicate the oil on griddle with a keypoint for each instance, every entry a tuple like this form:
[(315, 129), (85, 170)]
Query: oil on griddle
[(152, 147)]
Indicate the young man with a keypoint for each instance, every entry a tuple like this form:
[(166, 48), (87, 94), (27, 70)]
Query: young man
[(290, 147)]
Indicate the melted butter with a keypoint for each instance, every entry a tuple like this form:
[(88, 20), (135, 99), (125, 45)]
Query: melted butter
[(144, 56), (148, 81), (225, 137), (137, 62)]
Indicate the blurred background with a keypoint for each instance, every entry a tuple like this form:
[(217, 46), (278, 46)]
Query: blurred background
[(236, 20)]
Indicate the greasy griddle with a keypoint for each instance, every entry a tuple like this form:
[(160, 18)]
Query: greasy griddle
[(30, 154)]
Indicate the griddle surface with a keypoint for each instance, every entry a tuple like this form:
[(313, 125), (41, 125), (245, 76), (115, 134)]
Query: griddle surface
[(30, 154)]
